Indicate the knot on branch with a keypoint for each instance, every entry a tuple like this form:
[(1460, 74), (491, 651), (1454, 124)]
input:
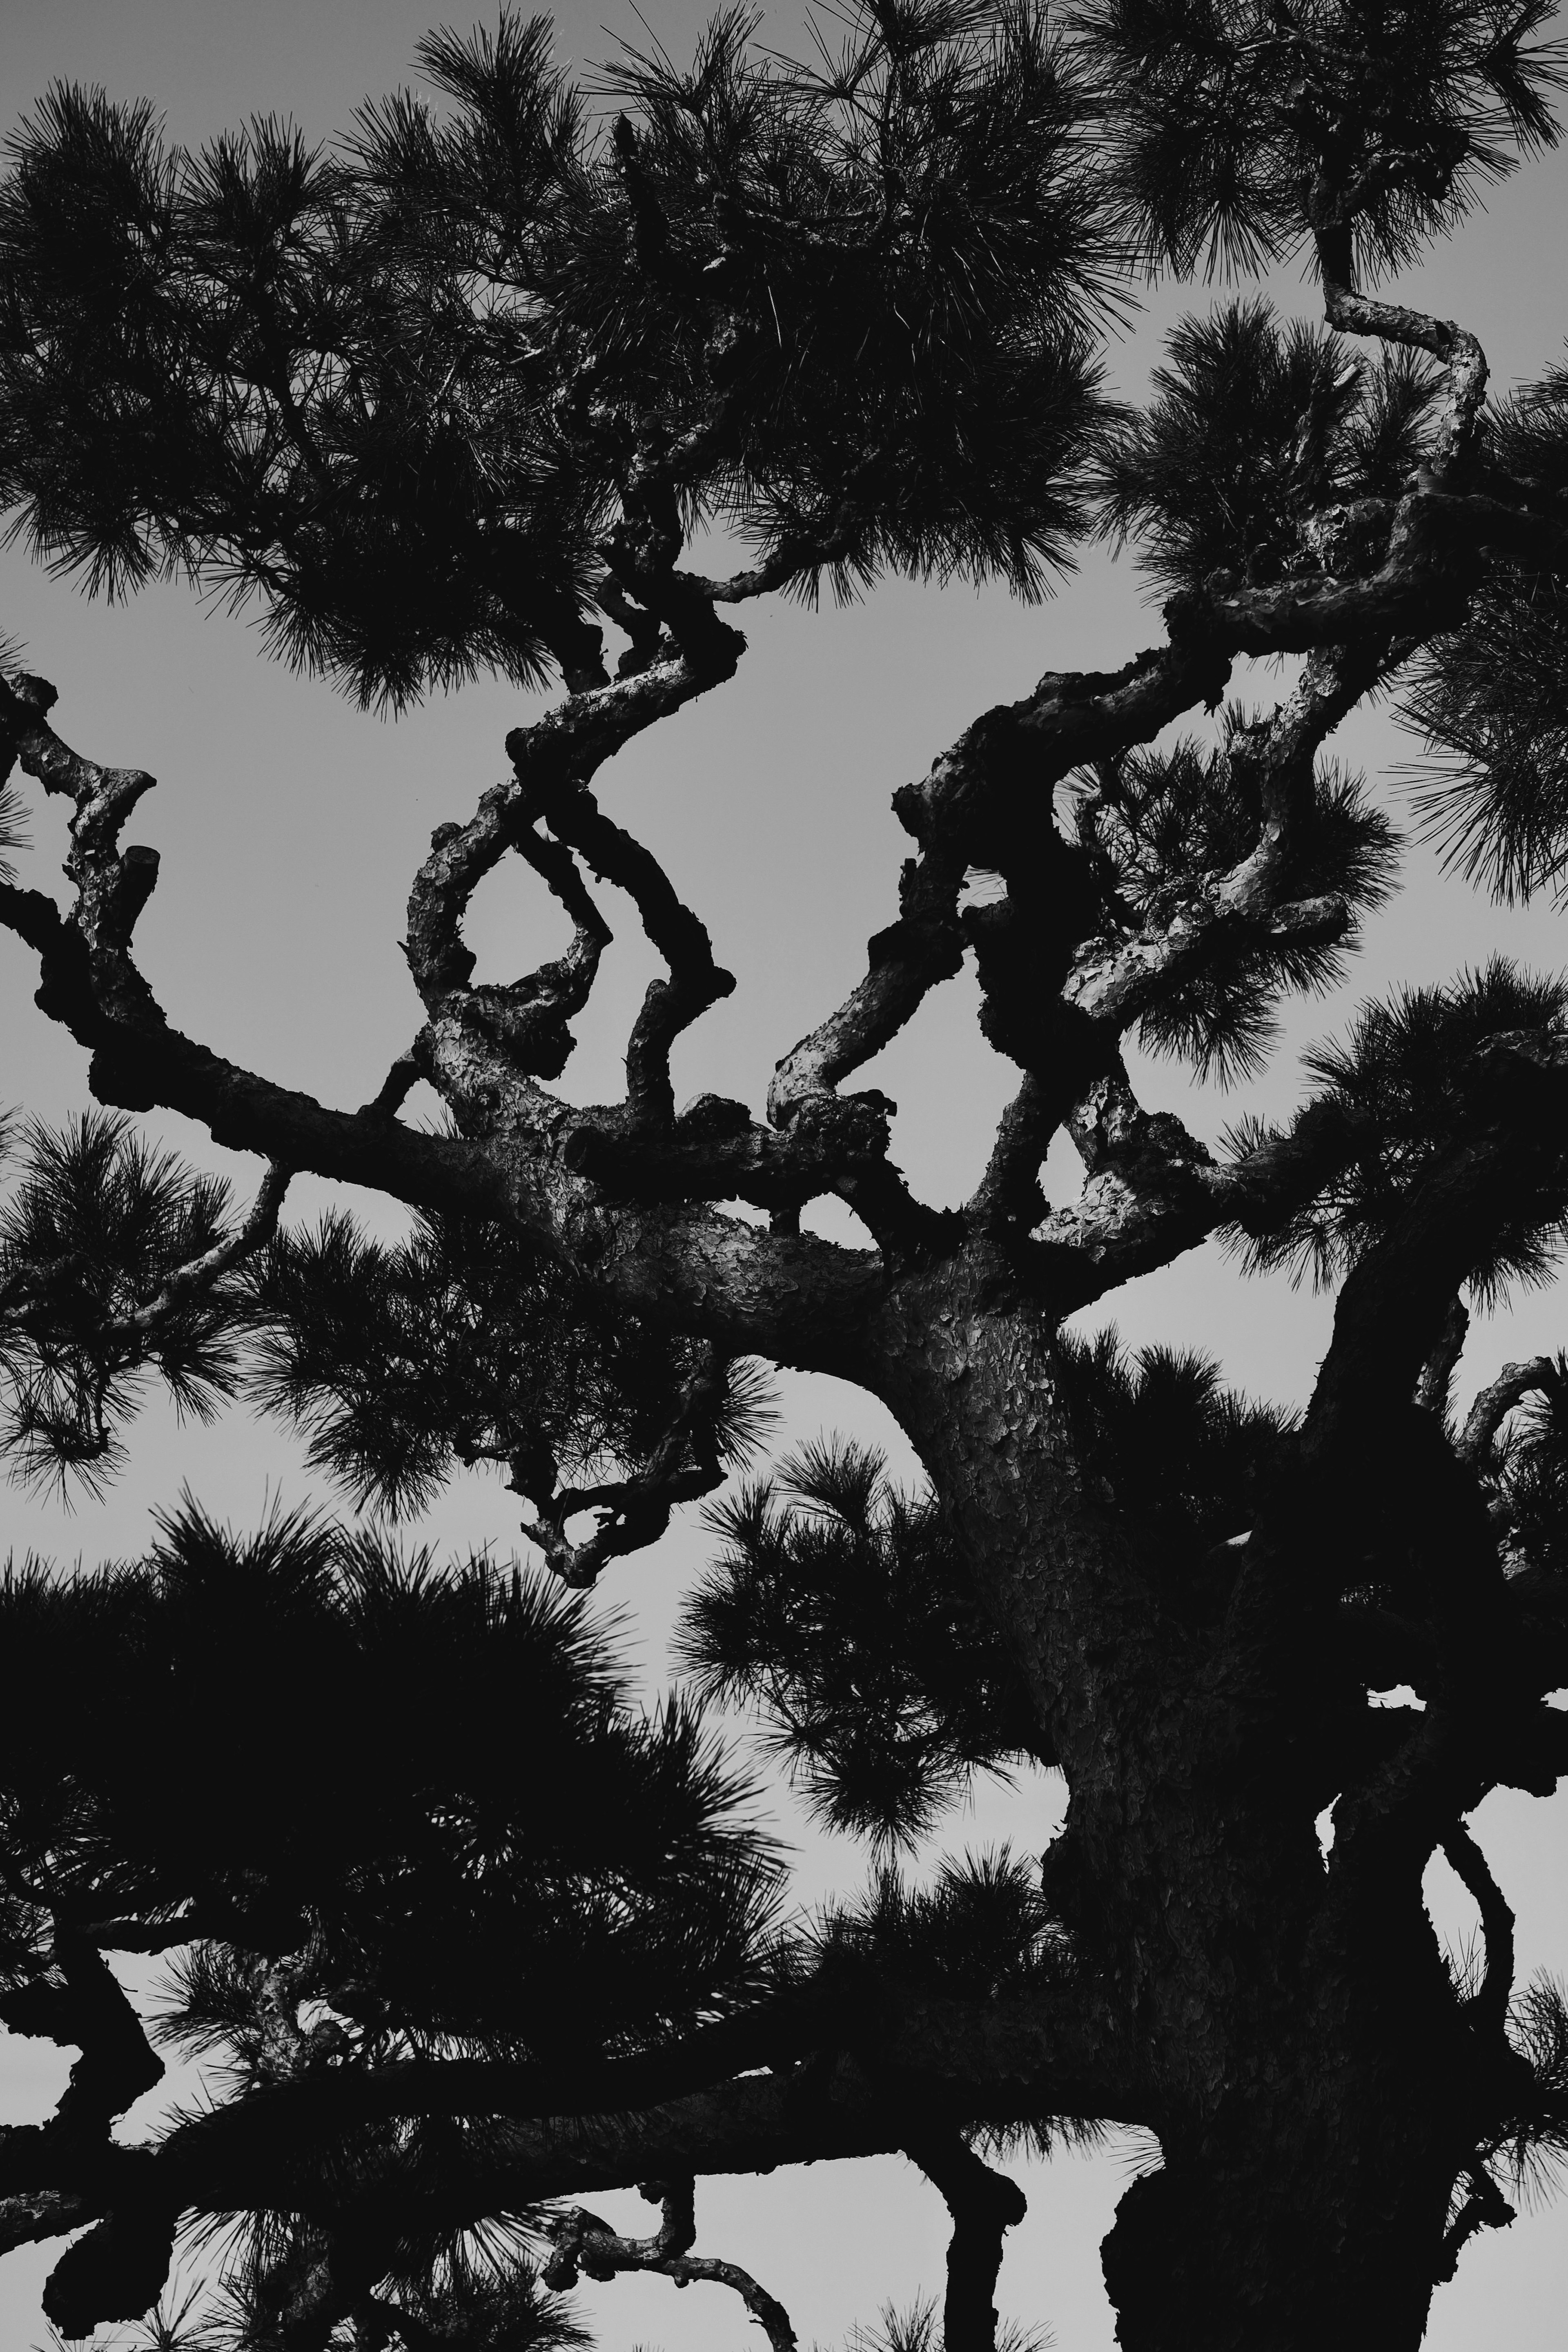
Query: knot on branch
[(715, 1151)]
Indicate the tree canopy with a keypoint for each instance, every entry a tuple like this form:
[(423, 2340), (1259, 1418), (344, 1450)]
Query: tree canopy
[(460, 1929)]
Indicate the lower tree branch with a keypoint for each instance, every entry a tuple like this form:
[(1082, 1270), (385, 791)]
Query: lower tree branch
[(583, 2244), (985, 2206)]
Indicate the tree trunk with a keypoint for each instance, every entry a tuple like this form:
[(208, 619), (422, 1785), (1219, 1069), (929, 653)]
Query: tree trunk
[(1306, 2066)]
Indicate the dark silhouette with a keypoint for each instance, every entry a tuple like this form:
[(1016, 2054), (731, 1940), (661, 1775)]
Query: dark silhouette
[(472, 1936)]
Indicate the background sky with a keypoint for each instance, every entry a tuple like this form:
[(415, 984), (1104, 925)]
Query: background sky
[(290, 824)]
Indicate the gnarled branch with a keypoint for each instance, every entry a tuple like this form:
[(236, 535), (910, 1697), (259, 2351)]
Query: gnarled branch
[(631, 1512), (583, 2244)]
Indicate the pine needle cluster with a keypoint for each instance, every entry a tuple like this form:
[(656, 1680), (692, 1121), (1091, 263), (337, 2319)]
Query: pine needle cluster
[(917, 2327), (836, 1610), (1533, 2151), (981, 1928), (1184, 1460), (373, 1735), (1488, 703), (401, 1364), (1406, 1076), (1237, 124), (93, 1226), (398, 392), (1529, 1467), (1487, 698), (1159, 825), (1255, 431), (460, 1345)]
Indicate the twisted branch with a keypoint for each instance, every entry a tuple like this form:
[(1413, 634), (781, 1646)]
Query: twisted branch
[(632, 1513), (583, 2244)]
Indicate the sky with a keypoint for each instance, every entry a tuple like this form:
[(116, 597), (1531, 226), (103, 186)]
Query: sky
[(290, 824)]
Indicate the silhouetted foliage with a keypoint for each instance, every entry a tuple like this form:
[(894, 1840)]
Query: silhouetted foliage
[(836, 1608), (454, 1924)]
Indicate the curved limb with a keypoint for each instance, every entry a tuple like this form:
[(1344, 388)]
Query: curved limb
[(1437, 1374), (631, 1512), (1110, 982), (1489, 2003), (994, 782), (1493, 1405), (1458, 425), (583, 2244), (552, 759), (791, 1297)]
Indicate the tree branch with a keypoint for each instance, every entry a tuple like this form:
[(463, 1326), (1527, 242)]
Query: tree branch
[(695, 981), (985, 2206), (92, 986), (1458, 425), (1489, 2003), (585, 2244), (1436, 1375), (1113, 981), (631, 1512), (1485, 2208), (1493, 1405)]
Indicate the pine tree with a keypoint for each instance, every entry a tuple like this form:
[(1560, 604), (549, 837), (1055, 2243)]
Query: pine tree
[(460, 1930)]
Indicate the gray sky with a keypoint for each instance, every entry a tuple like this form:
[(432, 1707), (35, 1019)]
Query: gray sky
[(273, 936)]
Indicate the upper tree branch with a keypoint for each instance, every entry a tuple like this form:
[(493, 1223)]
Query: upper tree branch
[(92, 986), (994, 785), (552, 759), (1455, 439), (695, 981), (1113, 982)]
